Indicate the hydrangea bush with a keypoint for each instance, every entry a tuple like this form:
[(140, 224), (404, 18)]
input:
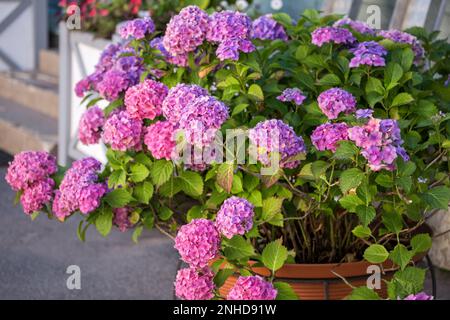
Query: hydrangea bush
[(356, 119)]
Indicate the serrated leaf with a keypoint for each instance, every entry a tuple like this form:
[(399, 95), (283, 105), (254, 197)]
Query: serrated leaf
[(222, 276), (256, 92), (103, 223), (284, 291), (139, 172), (161, 171), (271, 206), (143, 192), (365, 214), (255, 198), (437, 198), (196, 212), (384, 180), (362, 232), (376, 253), (165, 213), (118, 198), (350, 202), (402, 99), (191, 183), (274, 255), (238, 248), (363, 293), (117, 178), (350, 179), (421, 242), (346, 150)]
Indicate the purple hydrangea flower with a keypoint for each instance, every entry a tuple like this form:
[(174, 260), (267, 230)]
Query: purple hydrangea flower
[(235, 217), (198, 242), (276, 136), (180, 60), (191, 284), (403, 37), (30, 167), (160, 139), (292, 94), (364, 113), (112, 84), (123, 132), (334, 101), (137, 28), (201, 119), (323, 35), (327, 136), (419, 296), (144, 100), (37, 195), (266, 28), (369, 53), (252, 288), (79, 189), (122, 218), (358, 26), (91, 123), (186, 31), (178, 98)]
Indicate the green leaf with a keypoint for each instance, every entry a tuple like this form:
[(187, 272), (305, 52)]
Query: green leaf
[(270, 180), (196, 212), (117, 178), (165, 214), (362, 232), (238, 248), (393, 221), (237, 185), (284, 291), (374, 85), (363, 293), (346, 150), (224, 177), (148, 219), (392, 75), (103, 223), (191, 183), (136, 234), (271, 206), (350, 202), (250, 182), (365, 214), (350, 179), (330, 80), (222, 276), (407, 59), (161, 171), (34, 215), (421, 242), (144, 159), (406, 282), (302, 52), (384, 180), (401, 256), (256, 92), (255, 198), (143, 192), (376, 253), (274, 255), (118, 198), (170, 188), (139, 172), (239, 108), (402, 99), (437, 198), (202, 4), (283, 18)]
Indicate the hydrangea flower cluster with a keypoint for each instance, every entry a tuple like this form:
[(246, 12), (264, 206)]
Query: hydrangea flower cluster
[(327, 136), (123, 132), (180, 60), (294, 95), (186, 31), (334, 101), (381, 143), (419, 296), (235, 217), (201, 119), (30, 167), (336, 35), (266, 28), (37, 195), (231, 30), (191, 284), (79, 190), (137, 28), (403, 37), (358, 26), (91, 123), (369, 53), (160, 139), (178, 98), (122, 218), (198, 242), (144, 100), (363, 113), (276, 136), (252, 288)]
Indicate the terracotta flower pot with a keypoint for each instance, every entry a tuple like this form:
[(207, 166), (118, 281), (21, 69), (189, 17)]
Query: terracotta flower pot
[(318, 282)]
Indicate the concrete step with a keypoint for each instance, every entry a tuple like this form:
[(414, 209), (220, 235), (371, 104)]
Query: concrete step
[(33, 90), (22, 128), (49, 62)]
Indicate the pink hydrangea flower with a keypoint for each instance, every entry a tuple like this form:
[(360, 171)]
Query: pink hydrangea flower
[(37, 195), (327, 136), (79, 189), (235, 217), (29, 167), (178, 60), (419, 296), (137, 28), (358, 26), (276, 136), (323, 35), (122, 218), (82, 86), (112, 84), (144, 100), (91, 123), (293, 95), (178, 98), (191, 284), (266, 28), (201, 120), (160, 139), (334, 101), (198, 242), (252, 288), (123, 132), (186, 31)]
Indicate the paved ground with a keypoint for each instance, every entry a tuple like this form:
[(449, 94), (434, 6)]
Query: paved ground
[(34, 257)]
